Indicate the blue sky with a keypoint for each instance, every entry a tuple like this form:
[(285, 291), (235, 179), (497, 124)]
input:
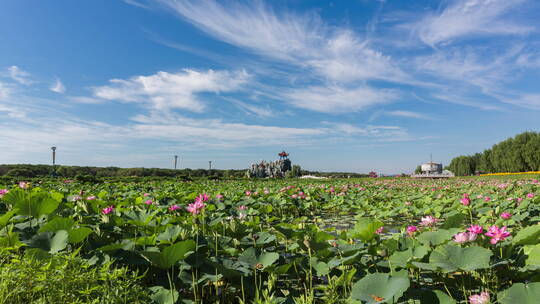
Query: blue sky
[(354, 85)]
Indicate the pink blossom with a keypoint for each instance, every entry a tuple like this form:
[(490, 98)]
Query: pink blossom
[(3, 191), (506, 215), (266, 191), (219, 196), (466, 201), (146, 194), (91, 198), (196, 207), (482, 298), (408, 203), (107, 210), (149, 202), (294, 196), (174, 207), (428, 221), (476, 229), (487, 199), (479, 196), (202, 198), (248, 193), (530, 195), (497, 234), (242, 216), (242, 207), (68, 181), (76, 198), (24, 185), (461, 237), (472, 236), (411, 229), (379, 230)]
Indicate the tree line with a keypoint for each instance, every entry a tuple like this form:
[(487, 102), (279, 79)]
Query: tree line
[(89, 173), (517, 154)]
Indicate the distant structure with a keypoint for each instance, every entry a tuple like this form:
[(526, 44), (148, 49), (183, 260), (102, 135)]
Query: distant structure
[(275, 169), (433, 170)]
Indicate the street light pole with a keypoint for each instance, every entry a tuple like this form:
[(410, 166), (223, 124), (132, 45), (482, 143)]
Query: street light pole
[(54, 160), (209, 165), (175, 161)]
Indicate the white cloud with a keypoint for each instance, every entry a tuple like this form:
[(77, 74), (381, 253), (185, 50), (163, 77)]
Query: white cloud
[(4, 91), (408, 114), (165, 90), (305, 40), (463, 18), (336, 99), (58, 87), (19, 75)]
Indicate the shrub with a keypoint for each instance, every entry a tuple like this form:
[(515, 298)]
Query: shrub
[(65, 279)]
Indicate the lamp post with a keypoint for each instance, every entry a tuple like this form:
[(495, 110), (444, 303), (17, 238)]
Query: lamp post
[(54, 160), (175, 161), (209, 165)]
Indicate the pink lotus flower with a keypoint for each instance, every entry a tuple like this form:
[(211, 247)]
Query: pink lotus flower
[(519, 199), (24, 185), (248, 193), (476, 229), (174, 208), (76, 198), (146, 194), (411, 230), (107, 210), (3, 191), (428, 221), (91, 198), (487, 199), (466, 201), (242, 216), (219, 196), (482, 298), (202, 198), (530, 195), (497, 234), (68, 181), (506, 215), (196, 207), (266, 191), (380, 230), (479, 196), (294, 196), (462, 237), (149, 202), (408, 203), (242, 207)]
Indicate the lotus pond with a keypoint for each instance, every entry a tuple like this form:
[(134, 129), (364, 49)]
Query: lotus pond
[(292, 241)]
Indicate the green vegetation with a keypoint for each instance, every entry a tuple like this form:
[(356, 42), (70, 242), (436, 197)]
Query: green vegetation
[(65, 278), (369, 240), (518, 154)]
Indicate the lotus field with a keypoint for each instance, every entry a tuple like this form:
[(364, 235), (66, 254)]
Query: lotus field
[(292, 241)]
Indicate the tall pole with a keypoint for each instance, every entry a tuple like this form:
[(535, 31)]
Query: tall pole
[(209, 165), (175, 161), (54, 160)]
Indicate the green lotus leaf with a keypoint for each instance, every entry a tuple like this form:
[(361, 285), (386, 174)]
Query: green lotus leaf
[(259, 260), (528, 236), (171, 254), (379, 288), (450, 258), (58, 223), (520, 293), (161, 295), (365, 228)]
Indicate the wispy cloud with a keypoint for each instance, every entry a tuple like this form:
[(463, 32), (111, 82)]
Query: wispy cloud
[(19, 75), (465, 18), (408, 114), (337, 99), (335, 53), (58, 87), (165, 90)]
